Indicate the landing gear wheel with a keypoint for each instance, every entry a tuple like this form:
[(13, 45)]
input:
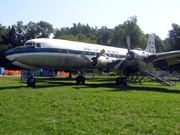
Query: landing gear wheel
[(31, 82), (118, 81), (80, 79), (124, 81), (121, 80)]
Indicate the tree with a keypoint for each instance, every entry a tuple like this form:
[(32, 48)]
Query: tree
[(174, 38), (19, 33), (44, 29), (167, 44), (3, 46), (78, 32), (104, 36), (31, 31), (61, 31), (129, 28), (3, 33)]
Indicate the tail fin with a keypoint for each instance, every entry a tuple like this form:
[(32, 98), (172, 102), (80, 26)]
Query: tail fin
[(151, 44)]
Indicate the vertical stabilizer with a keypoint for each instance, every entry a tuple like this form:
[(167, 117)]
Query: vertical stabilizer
[(151, 44)]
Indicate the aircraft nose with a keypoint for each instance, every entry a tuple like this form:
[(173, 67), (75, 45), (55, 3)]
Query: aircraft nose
[(9, 56)]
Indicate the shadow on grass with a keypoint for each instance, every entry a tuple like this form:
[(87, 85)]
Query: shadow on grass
[(119, 88), (12, 87), (61, 82)]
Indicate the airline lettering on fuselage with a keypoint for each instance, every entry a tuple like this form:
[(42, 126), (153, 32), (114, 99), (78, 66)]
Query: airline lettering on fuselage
[(109, 53), (90, 49), (97, 50)]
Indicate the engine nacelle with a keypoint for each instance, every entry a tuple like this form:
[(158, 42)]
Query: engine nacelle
[(138, 55), (101, 62)]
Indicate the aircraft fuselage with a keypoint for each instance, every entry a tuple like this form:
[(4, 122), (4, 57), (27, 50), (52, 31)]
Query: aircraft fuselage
[(63, 55)]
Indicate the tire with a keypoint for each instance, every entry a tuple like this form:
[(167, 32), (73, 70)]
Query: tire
[(124, 81), (31, 82), (118, 81), (80, 79)]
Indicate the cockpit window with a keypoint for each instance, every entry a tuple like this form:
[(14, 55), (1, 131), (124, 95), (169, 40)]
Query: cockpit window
[(30, 44), (38, 45)]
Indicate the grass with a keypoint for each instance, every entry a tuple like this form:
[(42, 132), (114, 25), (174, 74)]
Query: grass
[(59, 106)]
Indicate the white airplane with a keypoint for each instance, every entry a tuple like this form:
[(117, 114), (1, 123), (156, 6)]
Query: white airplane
[(56, 54)]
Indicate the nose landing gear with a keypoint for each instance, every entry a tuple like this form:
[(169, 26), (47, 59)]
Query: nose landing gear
[(31, 82)]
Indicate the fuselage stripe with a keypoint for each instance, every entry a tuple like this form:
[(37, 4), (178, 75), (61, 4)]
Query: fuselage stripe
[(54, 50)]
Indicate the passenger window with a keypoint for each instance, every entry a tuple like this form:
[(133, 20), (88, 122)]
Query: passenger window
[(68, 51), (38, 45)]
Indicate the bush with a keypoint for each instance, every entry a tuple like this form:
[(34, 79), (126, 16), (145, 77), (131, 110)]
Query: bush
[(112, 74)]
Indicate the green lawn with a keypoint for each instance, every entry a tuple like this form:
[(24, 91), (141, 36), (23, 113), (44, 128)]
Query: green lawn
[(59, 106)]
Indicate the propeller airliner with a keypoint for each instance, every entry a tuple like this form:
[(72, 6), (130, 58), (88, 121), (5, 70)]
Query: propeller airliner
[(57, 54)]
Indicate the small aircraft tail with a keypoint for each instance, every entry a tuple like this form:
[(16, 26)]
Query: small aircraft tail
[(151, 44)]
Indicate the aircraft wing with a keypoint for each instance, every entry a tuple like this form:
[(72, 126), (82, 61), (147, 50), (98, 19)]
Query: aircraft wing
[(137, 60), (168, 55), (149, 62)]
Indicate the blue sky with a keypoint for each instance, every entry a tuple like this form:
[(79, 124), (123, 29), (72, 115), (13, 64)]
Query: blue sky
[(154, 16)]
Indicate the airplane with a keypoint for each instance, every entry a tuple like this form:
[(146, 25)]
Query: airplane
[(58, 54)]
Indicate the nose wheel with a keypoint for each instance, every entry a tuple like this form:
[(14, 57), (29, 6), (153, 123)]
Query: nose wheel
[(31, 82)]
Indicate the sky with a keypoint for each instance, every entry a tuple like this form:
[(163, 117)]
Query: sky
[(153, 16)]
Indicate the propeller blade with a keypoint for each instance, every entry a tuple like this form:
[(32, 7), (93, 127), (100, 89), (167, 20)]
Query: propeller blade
[(100, 54), (94, 59), (128, 43), (119, 64), (85, 57)]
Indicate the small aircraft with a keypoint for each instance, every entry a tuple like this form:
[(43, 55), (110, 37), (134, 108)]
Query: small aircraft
[(57, 54)]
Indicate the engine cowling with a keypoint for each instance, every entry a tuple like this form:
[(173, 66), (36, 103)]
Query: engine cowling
[(100, 63), (137, 55)]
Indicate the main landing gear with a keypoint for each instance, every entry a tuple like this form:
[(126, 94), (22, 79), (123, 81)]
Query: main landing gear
[(80, 79), (121, 80)]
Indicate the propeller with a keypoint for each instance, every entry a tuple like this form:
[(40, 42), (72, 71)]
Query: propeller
[(94, 59), (85, 57), (100, 54), (119, 64), (129, 55), (128, 43)]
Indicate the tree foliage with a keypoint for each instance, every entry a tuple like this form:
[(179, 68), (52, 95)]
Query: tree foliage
[(3, 33), (173, 42), (104, 36), (79, 32), (44, 29), (129, 28)]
